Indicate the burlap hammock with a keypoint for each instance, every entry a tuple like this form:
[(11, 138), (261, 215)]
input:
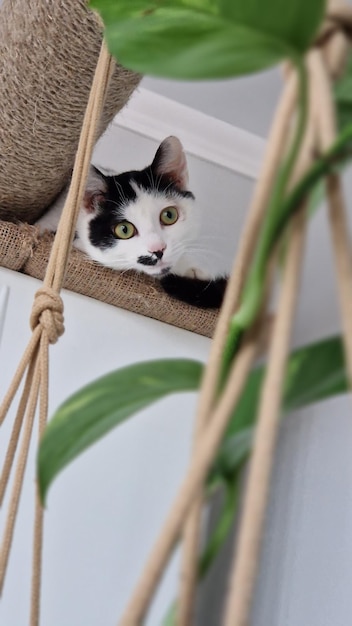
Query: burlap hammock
[(323, 63), (45, 79)]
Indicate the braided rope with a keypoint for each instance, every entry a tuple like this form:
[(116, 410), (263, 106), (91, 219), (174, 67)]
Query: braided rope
[(47, 324), (334, 47), (253, 516), (280, 129)]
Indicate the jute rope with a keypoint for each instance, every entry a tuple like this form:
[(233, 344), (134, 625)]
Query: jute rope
[(272, 158), (261, 463), (271, 162), (195, 477), (47, 326), (253, 516), (245, 571), (209, 438)]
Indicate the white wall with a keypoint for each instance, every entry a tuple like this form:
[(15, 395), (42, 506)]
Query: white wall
[(247, 102), (105, 510)]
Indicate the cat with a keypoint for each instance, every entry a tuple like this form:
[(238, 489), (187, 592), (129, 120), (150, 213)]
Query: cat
[(146, 221)]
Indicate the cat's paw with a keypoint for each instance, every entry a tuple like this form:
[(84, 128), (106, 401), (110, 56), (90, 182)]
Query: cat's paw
[(195, 272), (202, 293)]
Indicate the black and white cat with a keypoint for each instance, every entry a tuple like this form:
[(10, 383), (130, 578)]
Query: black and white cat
[(146, 221)]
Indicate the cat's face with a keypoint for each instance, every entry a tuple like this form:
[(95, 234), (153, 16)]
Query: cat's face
[(141, 220)]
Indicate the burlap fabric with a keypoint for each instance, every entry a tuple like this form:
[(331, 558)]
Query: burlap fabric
[(23, 249), (48, 54)]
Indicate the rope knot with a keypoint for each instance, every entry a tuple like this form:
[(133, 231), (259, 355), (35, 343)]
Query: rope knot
[(48, 311), (335, 37)]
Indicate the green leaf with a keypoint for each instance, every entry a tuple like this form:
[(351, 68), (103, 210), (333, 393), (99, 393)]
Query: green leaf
[(296, 22), (97, 408), (314, 372), (191, 39)]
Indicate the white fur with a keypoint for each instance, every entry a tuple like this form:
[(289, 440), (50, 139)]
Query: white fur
[(144, 214), (176, 240)]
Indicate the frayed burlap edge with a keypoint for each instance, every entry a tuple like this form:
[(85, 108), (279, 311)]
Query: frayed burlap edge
[(23, 249)]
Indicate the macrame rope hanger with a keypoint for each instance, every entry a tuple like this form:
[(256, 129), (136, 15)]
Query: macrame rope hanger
[(213, 413), (47, 325), (247, 554), (213, 417)]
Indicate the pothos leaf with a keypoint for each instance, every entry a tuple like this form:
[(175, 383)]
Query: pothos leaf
[(195, 39), (296, 24), (93, 411), (313, 373)]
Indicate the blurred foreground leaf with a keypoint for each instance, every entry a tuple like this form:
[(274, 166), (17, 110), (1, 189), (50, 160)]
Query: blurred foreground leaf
[(93, 411), (195, 39), (314, 372)]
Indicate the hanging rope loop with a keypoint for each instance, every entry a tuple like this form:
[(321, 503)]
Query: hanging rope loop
[(336, 22), (47, 311), (335, 37), (342, 17)]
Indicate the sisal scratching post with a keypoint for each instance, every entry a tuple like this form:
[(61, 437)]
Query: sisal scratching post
[(49, 50)]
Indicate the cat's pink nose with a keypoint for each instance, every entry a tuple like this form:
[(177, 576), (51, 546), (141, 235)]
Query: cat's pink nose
[(158, 250)]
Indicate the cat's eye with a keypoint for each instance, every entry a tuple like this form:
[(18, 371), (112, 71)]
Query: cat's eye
[(124, 230), (169, 216)]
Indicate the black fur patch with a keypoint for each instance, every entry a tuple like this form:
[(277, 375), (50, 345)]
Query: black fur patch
[(147, 260), (200, 293)]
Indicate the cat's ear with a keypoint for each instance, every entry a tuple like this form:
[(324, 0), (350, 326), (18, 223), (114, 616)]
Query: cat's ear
[(96, 188), (170, 161)]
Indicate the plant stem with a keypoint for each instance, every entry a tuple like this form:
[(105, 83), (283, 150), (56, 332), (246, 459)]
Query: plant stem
[(222, 529), (217, 538), (255, 283)]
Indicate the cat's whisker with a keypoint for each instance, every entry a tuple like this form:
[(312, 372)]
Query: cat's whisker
[(168, 187), (118, 204), (121, 190), (158, 181), (124, 271), (151, 179)]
